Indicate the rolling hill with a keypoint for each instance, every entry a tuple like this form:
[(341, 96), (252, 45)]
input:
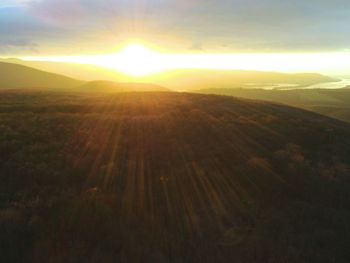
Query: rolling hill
[(18, 77), (331, 102), (182, 79), (114, 87), (73, 70), (204, 79), (170, 177)]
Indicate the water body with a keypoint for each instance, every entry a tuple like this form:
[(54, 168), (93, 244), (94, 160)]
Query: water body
[(271, 86), (331, 85), (286, 86)]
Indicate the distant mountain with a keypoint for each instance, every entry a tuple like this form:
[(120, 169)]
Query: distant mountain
[(77, 71), (114, 87), (182, 79), (332, 102), (202, 79), (18, 76), (170, 177)]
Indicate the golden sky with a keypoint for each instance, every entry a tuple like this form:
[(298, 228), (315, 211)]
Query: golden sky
[(248, 34)]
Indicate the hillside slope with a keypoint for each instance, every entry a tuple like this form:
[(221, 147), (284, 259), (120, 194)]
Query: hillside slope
[(18, 76), (77, 71), (115, 87), (181, 79), (331, 102), (170, 177), (202, 79)]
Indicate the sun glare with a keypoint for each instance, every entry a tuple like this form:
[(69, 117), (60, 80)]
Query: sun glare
[(139, 61), (136, 60)]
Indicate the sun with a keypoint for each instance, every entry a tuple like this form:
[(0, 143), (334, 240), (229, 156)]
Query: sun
[(137, 60)]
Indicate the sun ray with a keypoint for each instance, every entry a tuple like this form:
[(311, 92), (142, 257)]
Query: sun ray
[(137, 60)]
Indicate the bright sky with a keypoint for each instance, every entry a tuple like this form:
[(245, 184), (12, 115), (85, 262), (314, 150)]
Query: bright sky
[(274, 35), (139, 60)]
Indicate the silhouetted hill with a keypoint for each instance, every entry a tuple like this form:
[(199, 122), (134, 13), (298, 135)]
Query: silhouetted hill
[(182, 79), (170, 177), (202, 79), (22, 77), (331, 102), (18, 76), (77, 71), (114, 87)]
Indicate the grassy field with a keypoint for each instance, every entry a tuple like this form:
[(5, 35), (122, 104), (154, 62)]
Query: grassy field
[(170, 177)]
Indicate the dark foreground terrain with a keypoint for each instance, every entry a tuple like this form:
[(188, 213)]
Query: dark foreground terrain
[(334, 103), (170, 177)]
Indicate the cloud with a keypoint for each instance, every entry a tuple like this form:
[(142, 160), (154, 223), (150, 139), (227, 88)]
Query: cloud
[(11, 46), (231, 25), (13, 3), (272, 25), (197, 46), (61, 11)]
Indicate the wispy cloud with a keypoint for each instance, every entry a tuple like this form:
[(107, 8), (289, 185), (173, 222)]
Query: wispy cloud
[(13, 3), (230, 25), (11, 46)]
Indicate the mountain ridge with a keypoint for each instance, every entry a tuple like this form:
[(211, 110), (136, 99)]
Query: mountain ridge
[(182, 79), (15, 76), (115, 87), (331, 102)]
